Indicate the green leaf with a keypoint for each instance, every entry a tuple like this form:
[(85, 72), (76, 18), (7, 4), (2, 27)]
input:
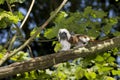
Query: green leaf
[(26, 75), (79, 73), (13, 1), (93, 33), (115, 51), (99, 58), (107, 28), (51, 33), (113, 21), (33, 32), (57, 46), (111, 59), (3, 24), (48, 34), (116, 72), (90, 75), (19, 15), (7, 18), (1, 56), (60, 16), (9, 15), (104, 69), (106, 55), (20, 56), (2, 1), (98, 14), (116, 33), (109, 78), (87, 11), (33, 74), (61, 75)]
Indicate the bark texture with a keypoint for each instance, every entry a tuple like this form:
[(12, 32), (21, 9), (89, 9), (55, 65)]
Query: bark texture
[(44, 62)]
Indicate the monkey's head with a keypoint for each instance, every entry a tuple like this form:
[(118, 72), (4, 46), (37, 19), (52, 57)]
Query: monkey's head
[(63, 34)]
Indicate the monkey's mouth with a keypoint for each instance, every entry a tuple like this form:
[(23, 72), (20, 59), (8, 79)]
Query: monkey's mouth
[(63, 36)]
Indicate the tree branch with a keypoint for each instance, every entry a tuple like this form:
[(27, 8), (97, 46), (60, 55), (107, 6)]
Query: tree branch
[(6, 56), (44, 62), (34, 35)]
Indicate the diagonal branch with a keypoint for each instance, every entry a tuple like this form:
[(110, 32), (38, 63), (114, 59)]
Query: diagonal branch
[(5, 57), (37, 32), (44, 62)]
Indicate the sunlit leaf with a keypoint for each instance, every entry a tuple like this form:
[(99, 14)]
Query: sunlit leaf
[(57, 47), (1, 56), (111, 59), (33, 32), (20, 56), (116, 72), (19, 15), (26, 75), (109, 78), (113, 20), (79, 73), (61, 75), (90, 75), (7, 18), (13, 1), (51, 33), (107, 69), (99, 58)]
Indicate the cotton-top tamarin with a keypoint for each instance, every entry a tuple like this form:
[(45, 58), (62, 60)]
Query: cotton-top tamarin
[(67, 40)]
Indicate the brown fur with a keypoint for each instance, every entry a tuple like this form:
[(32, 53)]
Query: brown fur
[(75, 38)]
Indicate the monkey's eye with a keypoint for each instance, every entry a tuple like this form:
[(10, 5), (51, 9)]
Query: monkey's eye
[(84, 42)]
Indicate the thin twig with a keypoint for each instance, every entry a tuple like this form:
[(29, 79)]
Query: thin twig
[(28, 13), (40, 41), (37, 32), (30, 51), (39, 29), (23, 22), (9, 6), (15, 36), (11, 41)]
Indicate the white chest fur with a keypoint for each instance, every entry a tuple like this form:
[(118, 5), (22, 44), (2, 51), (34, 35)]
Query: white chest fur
[(65, 45)]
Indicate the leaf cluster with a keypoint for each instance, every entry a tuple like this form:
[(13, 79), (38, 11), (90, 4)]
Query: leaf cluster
[(11, 1), (7, 18), (99, 67), (90, 22), (93, 23)]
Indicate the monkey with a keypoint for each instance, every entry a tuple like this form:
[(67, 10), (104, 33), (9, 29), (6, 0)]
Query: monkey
[(67, 40), (64, 37)]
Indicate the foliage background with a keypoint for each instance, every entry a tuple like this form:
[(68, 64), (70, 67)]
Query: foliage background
[(97, 18)]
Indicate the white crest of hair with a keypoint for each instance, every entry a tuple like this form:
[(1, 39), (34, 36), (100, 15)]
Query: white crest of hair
[(66, 31), (65, 45)]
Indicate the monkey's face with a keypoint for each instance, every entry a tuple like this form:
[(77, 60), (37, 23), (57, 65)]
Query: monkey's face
[(63, 34)]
